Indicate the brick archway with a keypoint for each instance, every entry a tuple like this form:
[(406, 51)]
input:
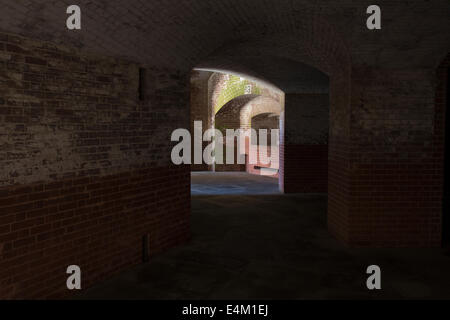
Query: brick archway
[(256, 106), (327, 72), (237, 114), (229, 116)]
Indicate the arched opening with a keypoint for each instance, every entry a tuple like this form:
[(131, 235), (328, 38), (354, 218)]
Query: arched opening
[(238, 114), (305, 70), (227, 103), (306, 104)]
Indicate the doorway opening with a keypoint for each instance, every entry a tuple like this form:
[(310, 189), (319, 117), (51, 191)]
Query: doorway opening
[(244, 115)]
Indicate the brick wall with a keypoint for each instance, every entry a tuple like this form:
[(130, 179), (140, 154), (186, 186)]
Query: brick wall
[(338, 157), (305, 144), (258, 168), (200, 109), (265, 121), (86, 167), (305, 168), (395, 187), (440, 130), (338, 188), (66, 114), (97, 223), (235, 167)]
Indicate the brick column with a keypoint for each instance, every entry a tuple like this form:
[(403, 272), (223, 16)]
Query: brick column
[(395, 164)]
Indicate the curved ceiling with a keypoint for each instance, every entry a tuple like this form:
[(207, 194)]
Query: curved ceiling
[(235, 105), (179, 34), (287, 75)]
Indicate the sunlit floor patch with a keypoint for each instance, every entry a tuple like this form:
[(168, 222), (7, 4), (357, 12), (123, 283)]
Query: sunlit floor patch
[(221, 183)]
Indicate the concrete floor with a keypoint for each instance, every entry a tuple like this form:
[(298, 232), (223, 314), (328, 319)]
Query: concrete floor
[(216, 183), (274, 247)]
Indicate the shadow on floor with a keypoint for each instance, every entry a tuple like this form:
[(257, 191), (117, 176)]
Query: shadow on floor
[(274, 247)]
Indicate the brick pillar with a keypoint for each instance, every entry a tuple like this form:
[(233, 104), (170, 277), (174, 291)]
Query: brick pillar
[(394, 164), (304, 147), (442, 140)]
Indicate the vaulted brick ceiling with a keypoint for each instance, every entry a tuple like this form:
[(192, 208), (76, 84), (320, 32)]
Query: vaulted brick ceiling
[(235, 105), (180, 34), (288, 75)]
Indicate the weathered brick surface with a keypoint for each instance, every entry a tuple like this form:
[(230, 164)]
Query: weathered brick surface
[(338, 188), (200, 109), (97, 223), (307, 119), (65, 114), (440, 129), (226, 87), (229, 116), (305, 143), (265, 121), (86, 169), (395, 186)]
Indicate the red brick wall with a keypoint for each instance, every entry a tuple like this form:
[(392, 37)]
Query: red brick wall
[(235, 167), (200, 110), (256, 168), (396, 157), (338, 153), (265, 121), (439, 132), (307, 168), (85, 166), (338, 186), (97, 223), (304, 150)]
